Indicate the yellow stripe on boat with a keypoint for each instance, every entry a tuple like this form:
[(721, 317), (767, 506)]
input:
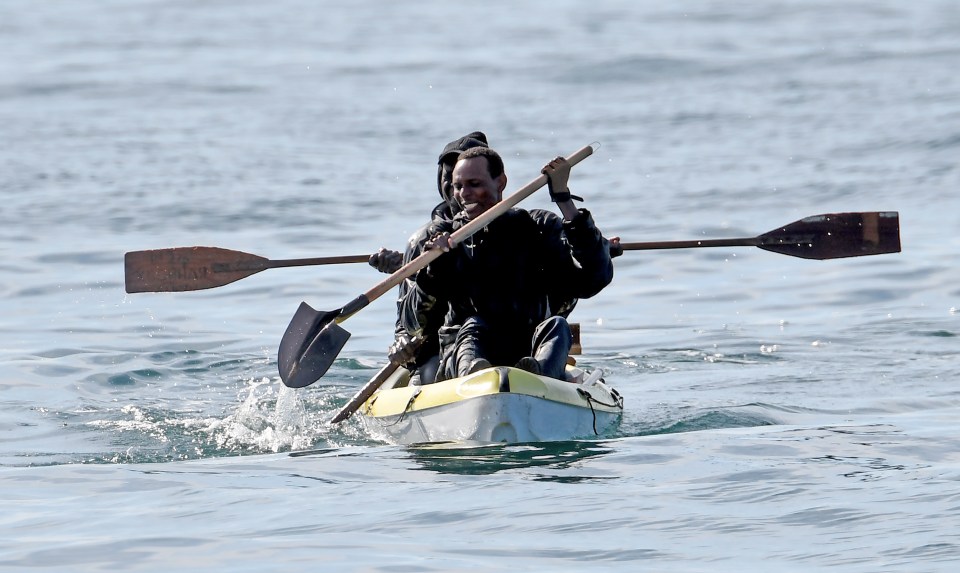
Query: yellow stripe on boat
[(395, 401)]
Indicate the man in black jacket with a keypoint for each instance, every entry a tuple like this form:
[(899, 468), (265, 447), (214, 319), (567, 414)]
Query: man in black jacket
[(500, 289)]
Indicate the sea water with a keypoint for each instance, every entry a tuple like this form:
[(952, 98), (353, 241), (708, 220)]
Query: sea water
[(781, 414)]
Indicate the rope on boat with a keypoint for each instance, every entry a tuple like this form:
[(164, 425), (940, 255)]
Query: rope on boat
[(406, 408), (618, 403), (586, 396)]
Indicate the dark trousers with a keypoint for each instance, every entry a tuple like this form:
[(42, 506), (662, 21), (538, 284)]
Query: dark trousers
[(549, 343)]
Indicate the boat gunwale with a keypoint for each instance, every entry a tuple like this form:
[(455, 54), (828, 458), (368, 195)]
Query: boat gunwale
[(395, 401)]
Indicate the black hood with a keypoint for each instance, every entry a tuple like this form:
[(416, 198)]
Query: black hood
[(471, 140)]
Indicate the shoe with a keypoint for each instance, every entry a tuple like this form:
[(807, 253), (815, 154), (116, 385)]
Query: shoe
[(478, 365), (530, 364)]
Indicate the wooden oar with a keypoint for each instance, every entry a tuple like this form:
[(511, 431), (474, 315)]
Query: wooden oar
[(364, 393), (195, 268), (314, 339), (829, 236), (361, 396), (370, 387)]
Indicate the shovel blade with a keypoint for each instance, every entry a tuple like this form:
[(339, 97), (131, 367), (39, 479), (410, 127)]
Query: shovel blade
[(309, 346)]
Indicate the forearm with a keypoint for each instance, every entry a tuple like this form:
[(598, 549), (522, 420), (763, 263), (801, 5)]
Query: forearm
[(569, 210), (421, 312)]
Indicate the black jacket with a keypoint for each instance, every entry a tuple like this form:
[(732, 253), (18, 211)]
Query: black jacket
[(439, 217), (521, 269)]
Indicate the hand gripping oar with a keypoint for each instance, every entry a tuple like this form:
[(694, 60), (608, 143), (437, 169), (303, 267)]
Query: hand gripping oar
[(195, 268), (313, 339), (830, 236)]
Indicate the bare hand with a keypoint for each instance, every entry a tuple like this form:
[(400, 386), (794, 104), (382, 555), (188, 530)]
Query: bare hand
[(614, 245), (558, 176), (441, 241)]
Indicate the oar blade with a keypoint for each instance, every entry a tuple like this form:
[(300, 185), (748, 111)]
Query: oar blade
[(309, 346), (187, 268), (836, 235)]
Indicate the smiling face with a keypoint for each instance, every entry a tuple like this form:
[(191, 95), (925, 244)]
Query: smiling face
[(474, 188)]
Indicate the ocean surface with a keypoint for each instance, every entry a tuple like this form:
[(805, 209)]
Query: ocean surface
[(781, 414)]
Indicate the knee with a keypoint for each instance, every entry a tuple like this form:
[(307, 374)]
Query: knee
[(473, 326), (555, 325)]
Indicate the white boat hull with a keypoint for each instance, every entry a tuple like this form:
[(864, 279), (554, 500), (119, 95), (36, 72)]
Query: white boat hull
[(496, 405)]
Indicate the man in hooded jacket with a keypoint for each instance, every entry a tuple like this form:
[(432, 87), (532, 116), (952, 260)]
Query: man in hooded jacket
[(422, 358)]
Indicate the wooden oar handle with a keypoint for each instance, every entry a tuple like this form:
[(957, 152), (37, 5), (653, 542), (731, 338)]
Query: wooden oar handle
[(276, 264), (465, 232), (364, 393), (691, 244), (373, 385)]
